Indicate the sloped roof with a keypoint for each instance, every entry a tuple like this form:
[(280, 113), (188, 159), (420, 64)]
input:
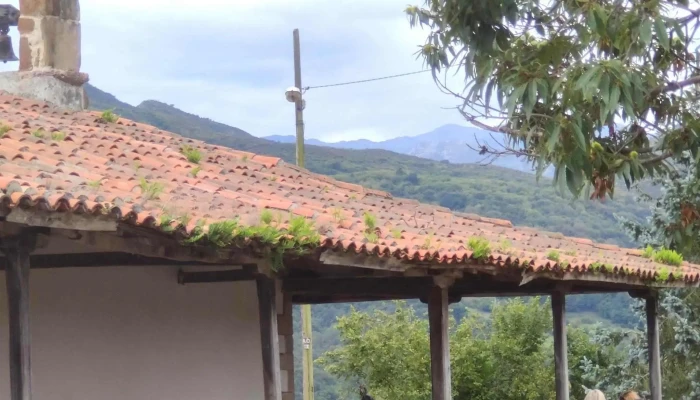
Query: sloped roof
[(97, 168)]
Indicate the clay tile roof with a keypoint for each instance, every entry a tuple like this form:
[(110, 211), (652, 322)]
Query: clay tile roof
[(99, 167)]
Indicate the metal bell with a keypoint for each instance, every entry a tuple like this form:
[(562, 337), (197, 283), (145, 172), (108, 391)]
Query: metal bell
[(6, 51)]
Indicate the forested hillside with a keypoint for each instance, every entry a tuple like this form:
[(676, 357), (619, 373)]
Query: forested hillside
[(485, 190)]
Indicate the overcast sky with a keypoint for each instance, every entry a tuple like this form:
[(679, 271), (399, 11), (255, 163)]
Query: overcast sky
[(231, 61)]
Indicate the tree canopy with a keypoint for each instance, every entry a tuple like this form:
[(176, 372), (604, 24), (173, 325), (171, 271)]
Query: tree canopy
[(600, 89), (507, 357)]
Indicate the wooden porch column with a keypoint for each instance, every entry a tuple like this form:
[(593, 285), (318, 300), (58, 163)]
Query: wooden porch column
[(16, 251), (652, 306), (439, 343), (267, 304), (561, 363)]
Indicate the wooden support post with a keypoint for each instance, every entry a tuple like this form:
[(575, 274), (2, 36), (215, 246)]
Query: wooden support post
[(17, 250), (267, 304), (439, 343), (561, 364), (652, 306)]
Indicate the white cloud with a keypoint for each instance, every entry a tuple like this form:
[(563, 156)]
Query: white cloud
[(231, 60)]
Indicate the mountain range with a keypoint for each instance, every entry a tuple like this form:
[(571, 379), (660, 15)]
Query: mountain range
[(454, 143)]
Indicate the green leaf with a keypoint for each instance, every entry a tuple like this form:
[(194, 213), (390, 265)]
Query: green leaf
[(557, 84), (585, 78), (531, 98), (499, 97), (661, 33), (591, 20), (638, 92), (678, 28), (487, 37), (578, 135), (604, 86), (600, 21), (543, 90), (627, 104), (502, 39), (626, 174), (614, 97), (515, 97), (574, 180), (561, 179), (603, 114), (489, 91), (554, 135), (645, 32)]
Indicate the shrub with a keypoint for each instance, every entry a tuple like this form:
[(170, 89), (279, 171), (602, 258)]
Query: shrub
[(266, 217), (480, 248), (151, 190), (668, 257), (370, 223), (58, 136), (4, 129), (553, 256), (109, 116), (192, 154), (371, 237)]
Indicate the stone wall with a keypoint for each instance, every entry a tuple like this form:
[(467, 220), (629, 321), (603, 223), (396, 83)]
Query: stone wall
[(49, 54), (49, 35)]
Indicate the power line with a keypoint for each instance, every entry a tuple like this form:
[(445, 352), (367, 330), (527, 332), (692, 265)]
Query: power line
[(365, 80)]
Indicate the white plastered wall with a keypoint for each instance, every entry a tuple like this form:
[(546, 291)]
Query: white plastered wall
[(134, 333)]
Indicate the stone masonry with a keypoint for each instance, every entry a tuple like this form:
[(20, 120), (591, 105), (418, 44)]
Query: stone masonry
[(49, 35), (286, 343), (49, 54)]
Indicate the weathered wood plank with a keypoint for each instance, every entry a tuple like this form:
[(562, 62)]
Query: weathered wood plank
[(331, 257), (367, 288), (561, 364), (652, 306), (16, 252), (269, 338), (247, 273), (439, 343), (62, 220), (149, 245)]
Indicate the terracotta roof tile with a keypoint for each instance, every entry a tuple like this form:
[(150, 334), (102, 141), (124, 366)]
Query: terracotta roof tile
[(98, 168)]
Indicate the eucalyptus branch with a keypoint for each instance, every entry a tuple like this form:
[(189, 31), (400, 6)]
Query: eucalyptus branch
[(693, 14), (653, 160), (673, 86), (501, 129)]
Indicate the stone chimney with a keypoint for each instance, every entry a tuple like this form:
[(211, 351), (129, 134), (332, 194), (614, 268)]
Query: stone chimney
[(49, 54)]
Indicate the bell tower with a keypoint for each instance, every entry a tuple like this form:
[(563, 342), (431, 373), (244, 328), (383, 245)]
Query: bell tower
[(49, 54), (9, 16)]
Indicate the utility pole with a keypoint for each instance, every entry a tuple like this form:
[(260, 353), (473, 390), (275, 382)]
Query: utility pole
[(299, 103), (307, 350)]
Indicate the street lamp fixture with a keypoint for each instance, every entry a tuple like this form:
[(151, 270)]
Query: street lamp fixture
[(293, 95)]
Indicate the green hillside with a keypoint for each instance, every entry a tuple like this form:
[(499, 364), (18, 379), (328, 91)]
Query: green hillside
[(484, 190)]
